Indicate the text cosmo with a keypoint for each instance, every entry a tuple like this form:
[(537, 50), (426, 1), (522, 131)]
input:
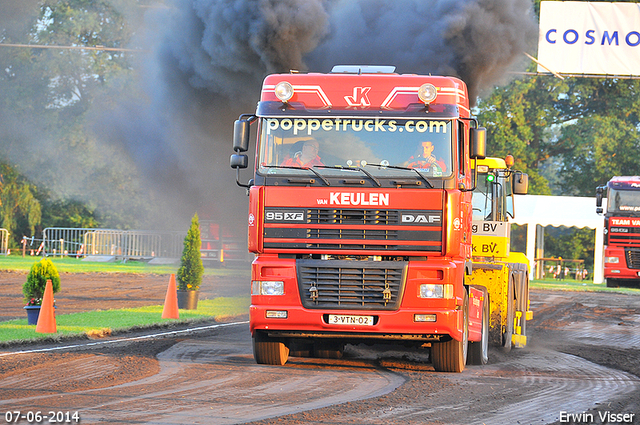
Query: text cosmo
[(308, 126)]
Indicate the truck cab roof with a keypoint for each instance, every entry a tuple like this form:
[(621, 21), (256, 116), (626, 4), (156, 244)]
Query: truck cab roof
[(624, 182), (361, 92)]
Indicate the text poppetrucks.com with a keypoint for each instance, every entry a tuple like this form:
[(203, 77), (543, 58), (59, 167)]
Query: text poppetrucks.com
[(596, 418)]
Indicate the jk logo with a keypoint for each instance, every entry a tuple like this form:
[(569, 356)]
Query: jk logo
[(359, 97)]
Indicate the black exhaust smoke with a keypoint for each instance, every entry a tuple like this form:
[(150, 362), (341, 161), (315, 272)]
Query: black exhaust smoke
[(209, 58)]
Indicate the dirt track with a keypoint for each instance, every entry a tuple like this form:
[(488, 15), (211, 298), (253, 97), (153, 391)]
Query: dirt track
[(584, 353)]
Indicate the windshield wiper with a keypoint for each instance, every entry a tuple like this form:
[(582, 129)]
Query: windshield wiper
[(291, 167), (397, 167), (339, 167)]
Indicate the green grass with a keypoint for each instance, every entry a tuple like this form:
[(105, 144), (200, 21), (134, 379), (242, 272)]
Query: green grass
[(576, 285), (76, 265), (80, 324)]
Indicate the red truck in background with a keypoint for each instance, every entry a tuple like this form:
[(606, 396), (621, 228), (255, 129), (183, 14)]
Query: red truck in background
[(360, 214), (220, 248), (621, 230)]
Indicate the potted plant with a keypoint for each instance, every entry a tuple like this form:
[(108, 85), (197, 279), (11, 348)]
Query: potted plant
[(33, 288), (189, 276)]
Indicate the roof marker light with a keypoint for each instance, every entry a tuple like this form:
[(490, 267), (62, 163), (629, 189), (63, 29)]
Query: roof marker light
[(284, 91), (509, 161), (427, 93)]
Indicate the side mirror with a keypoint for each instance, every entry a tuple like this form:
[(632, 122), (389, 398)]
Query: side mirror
[(478, 142), (599, 195), (241, 131), (520, 183), (239, 161)]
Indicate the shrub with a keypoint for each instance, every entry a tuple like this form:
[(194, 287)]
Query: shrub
[(189, 276), (33, 288)]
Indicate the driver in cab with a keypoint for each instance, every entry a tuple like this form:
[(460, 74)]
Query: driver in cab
[(307, 157), (426, 160)]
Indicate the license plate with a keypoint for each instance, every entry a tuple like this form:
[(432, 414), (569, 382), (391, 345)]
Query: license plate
[(342, 319)]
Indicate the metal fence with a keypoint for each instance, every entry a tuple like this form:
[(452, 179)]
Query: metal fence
[(4, 241), (124, 244), (134, 244), (216, 250)]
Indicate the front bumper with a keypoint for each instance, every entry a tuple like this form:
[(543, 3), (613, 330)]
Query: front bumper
[(387, 325)]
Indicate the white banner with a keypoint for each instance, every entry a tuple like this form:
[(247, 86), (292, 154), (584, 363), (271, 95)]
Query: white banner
[(579, 37)]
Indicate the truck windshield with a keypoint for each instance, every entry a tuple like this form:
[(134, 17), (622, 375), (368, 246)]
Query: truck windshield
[(492, 197), (482, 200), (288, 145), (623, 201)]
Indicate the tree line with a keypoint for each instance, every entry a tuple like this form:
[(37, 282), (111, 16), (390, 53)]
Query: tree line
[(570, 135)]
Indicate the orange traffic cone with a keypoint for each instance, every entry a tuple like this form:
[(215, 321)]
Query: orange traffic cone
[(47, 318), (170, 310)]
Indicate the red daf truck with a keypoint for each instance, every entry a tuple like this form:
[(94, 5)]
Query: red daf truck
[(360, 214), (621, 230)]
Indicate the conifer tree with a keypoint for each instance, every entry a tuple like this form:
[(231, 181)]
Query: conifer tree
[(190, 272)]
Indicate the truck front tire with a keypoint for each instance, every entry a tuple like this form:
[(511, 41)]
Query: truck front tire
[(612, 283), (268, 350), (451, 356), (331, 350)]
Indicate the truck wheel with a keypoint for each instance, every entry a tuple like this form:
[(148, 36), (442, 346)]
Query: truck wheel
[(451, 356), (301, 349), (479, 350), (511, 311), (269, 351)]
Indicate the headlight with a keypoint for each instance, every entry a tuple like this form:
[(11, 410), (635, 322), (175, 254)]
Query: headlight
[(431, 290), (267, 287), (611, 260)]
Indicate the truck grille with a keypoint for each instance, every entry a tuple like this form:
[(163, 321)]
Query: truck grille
[(353, 229), (633, 258), (623, 236), (348, 216), (352, 234), (351, 285)]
